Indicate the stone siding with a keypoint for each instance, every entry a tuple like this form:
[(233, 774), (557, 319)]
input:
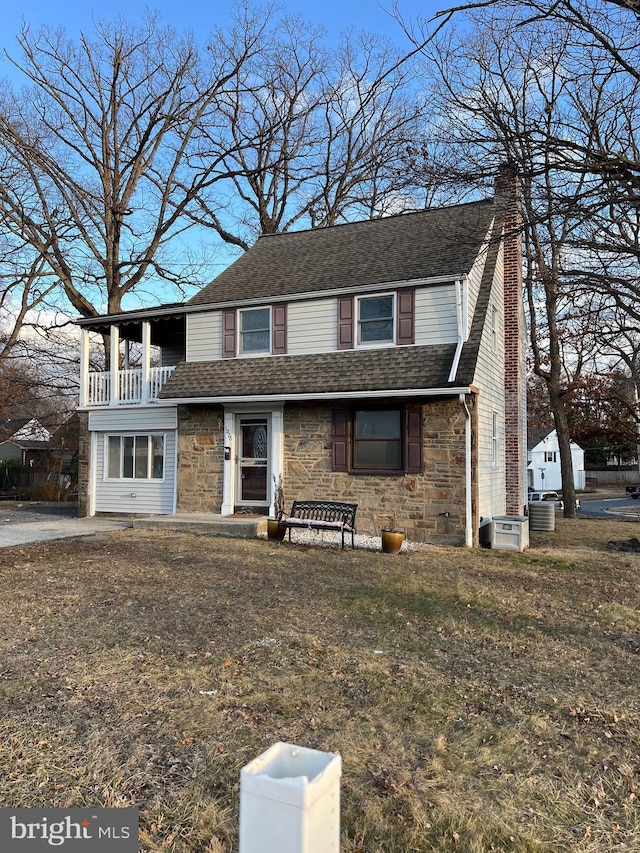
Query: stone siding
[(84, 456), (429, 506), (200, 458)]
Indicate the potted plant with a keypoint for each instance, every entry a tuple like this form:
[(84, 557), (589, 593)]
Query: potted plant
[(392, 536), (275, 530)]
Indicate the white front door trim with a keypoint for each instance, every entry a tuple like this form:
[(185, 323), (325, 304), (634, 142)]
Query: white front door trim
[(231, 448)]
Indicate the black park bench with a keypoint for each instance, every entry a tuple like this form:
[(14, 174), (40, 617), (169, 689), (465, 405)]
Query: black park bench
[(322, 515)]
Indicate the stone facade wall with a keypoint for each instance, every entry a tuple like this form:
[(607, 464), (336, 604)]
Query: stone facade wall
[(84, 456), (429, 506), (200, 458)]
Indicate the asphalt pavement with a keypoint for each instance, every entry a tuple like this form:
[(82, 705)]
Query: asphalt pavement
[(24, 523)]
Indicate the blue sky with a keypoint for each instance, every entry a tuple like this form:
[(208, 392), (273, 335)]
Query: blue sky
[(200, 15)]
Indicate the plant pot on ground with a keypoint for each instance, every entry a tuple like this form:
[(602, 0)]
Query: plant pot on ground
[(392, 541), (275, 530), (391, 535)]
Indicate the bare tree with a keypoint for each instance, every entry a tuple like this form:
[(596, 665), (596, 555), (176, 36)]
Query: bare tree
[(536, 97), (319, 139), (109, 135), (130, 142)]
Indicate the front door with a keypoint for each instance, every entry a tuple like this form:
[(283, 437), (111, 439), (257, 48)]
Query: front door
[(252, 462)]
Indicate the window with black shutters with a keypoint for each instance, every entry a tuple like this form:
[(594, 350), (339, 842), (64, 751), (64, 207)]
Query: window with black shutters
[(377, 440)]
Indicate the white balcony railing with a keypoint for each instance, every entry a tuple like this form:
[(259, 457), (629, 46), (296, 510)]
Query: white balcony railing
[(130, 387)]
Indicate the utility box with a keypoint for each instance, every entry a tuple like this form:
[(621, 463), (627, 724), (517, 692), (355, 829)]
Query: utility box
[(290, 801), (510, 532)]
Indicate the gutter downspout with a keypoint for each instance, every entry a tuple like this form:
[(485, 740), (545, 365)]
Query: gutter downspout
[(468, 525), (461, 319)]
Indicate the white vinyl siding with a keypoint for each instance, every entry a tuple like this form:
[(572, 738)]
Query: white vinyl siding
[(489, 379), (139, 419), (311, 326), (204, 336), (474, 278), (134, 496), (435, 315)]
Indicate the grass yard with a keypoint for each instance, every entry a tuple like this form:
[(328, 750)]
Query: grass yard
[(481, 701)]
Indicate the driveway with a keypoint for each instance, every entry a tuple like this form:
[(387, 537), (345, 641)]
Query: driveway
[(27, 523)]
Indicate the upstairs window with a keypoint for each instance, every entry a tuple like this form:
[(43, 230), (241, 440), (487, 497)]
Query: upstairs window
[(135, 457), (255, 331), (384, 319), (376, 319)]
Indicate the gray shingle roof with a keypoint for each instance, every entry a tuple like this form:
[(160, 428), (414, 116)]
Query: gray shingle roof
[(410, 246), (392, 368)]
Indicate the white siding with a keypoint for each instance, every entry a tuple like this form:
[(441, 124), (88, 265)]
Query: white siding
[(489, 379), (474, 277), (436, 315), (137, 496), (140, 419), (311, 326), (204, 336)]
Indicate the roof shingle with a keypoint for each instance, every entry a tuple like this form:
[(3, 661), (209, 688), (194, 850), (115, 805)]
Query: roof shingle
[(429, 243)]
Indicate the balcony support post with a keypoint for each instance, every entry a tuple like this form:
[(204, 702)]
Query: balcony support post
[(84, 368), (146, 362), (114, 365)]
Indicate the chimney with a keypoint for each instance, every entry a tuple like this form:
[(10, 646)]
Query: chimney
[(507, 202)]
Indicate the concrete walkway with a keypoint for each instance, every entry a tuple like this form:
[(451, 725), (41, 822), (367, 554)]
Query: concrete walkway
[(57, 528)]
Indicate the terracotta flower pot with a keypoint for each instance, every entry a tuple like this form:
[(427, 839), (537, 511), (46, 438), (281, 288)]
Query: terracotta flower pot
[(392, 541)]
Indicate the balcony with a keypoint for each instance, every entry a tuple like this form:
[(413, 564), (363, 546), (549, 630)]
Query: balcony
[(130, 388)]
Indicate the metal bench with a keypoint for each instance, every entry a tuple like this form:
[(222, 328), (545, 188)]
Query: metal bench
[(322, 515)]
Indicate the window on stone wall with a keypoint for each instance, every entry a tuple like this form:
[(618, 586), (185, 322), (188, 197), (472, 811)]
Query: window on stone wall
[(135, 457), (369, 440)]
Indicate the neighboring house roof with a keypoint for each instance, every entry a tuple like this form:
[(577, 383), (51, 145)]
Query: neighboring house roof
[(540, 435), (25, 432), (537, 436), (442, 242)]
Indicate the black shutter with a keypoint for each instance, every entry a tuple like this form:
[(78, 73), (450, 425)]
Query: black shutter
[(413, 440), (345, 322), (279, 329), (340, 440), (228, 334), (406, 316)]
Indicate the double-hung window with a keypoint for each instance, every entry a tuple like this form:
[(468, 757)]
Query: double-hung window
[(377, 440), (376, 319), (255, 331), (135, 457)]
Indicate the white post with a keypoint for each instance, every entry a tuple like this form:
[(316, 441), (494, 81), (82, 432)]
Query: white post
[(146, 361), (84, 368), (290, 801), (114, 366)]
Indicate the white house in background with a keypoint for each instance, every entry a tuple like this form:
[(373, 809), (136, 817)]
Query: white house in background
[(543, 462)]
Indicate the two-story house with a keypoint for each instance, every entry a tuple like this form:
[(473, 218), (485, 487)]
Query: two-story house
[(380, 362)]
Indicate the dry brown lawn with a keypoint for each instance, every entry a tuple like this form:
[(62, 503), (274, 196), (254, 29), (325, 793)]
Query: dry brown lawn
[(481, 701)]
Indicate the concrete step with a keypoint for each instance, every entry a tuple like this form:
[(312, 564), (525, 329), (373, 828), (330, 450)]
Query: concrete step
[(238, 527)]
